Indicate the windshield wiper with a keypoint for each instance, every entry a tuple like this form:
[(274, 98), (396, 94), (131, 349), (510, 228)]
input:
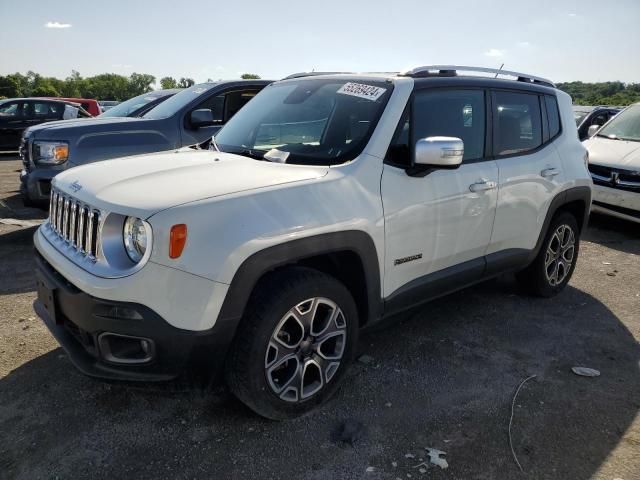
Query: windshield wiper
[(245, 152), (610, 137)]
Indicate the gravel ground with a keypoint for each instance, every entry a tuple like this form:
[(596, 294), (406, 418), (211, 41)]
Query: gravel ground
[(443, 377)]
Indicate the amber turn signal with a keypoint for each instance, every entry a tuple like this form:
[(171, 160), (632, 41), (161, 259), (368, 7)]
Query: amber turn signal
[(177, 240), (61, 152)]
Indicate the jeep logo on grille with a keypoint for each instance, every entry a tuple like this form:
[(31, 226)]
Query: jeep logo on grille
[(75, 186)]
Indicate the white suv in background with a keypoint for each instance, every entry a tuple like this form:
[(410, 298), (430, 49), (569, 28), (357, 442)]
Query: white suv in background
[(614, 163), (329, 203)]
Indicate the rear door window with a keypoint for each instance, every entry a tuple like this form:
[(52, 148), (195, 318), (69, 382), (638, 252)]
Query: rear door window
[(517, 123), (46, 110)]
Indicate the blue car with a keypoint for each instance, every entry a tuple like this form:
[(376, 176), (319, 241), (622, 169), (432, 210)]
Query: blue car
[(190, 117)]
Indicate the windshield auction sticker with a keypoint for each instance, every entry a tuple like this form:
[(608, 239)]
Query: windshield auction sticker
[(363, 91)]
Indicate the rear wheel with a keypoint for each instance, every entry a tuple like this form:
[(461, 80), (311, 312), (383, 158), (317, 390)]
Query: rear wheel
[(553, 267), (294, 343)]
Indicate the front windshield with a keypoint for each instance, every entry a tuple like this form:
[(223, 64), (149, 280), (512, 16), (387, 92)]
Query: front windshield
[(125, 109), (624, 126), (307, 121), (179, 100)]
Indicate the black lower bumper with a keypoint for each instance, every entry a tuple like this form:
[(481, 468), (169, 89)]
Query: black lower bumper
[(78, 320), (35, 186)]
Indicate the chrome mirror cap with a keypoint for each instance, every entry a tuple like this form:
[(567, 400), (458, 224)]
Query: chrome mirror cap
[(439, 152)]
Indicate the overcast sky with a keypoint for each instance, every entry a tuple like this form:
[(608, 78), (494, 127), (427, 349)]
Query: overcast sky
[(589, 40)]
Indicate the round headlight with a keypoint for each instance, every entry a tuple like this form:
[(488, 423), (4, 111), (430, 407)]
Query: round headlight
[(135, 238)]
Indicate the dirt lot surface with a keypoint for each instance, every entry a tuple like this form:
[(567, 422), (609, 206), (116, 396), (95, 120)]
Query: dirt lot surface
[(444, 377)]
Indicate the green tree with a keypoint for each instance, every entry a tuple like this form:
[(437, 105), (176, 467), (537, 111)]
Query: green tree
[(44, 89), (603, 93), (9, 87), (249, 76), (140, 83), (107, 86), (168, 82), (73, 85), (186, 82)]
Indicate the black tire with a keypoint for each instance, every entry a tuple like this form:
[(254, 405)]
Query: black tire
[(536, 278), (254, 345)]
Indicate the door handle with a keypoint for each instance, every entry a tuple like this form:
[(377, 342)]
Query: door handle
[(549, 172), (482, 186)]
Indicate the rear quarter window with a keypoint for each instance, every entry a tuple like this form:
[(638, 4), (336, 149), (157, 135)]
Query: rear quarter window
[(553, 115)]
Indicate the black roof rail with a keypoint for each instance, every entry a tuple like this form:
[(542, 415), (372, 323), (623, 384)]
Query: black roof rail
[(452, 71)]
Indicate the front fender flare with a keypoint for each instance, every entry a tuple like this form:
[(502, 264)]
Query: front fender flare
[(255, 266)]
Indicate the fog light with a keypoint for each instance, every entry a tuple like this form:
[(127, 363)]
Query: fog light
[(117, 311), (124, 349)]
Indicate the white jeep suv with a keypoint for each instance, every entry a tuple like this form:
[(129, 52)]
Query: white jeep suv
[(329, 203)]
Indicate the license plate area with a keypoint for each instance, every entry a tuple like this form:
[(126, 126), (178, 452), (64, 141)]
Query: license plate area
[(47, 297)]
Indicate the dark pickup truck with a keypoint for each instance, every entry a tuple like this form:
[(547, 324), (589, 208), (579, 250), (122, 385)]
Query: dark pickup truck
[(188, 118)]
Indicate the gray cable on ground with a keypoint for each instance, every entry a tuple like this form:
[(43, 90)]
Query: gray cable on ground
[(513, 404)]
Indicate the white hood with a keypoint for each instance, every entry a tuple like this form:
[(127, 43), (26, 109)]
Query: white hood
[(614, 153), (145, 184)]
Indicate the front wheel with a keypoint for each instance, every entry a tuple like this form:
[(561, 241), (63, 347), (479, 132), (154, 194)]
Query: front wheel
[(294, 343), (553, 267)]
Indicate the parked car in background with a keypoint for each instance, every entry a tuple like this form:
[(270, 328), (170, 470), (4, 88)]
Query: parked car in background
[(614, 164), (18, 114), (329, 204), (107, 104), (190, 117), (587, 116), (88, 104), (138, 106)]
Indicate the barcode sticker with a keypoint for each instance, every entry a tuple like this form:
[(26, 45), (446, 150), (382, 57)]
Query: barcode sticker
[(361, 90)]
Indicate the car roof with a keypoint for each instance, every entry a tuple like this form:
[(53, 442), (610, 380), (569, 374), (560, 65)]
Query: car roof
[(431, 81), (71, 99), (445, 74), (22, 99), (162, 93)]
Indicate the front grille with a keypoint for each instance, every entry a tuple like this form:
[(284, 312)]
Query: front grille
[(75, 222), (24, 153), (615, 177)]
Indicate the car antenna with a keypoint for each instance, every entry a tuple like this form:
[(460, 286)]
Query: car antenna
[(499, 70)]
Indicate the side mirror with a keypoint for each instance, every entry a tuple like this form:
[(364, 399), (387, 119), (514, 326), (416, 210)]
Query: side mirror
[(439, 152), (202, 117), (593, 129)]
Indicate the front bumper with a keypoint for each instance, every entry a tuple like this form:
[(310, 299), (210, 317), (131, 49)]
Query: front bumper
[(78, 321), (35, 184), (35, 180), (616, 202)]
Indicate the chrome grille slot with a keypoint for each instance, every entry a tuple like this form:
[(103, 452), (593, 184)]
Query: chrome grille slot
[(89, 238), (65, 220), (81, 222), (72, 222), (75, 223), (59, 214)]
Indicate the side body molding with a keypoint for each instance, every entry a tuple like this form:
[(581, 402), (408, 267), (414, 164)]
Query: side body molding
[(360, 243)]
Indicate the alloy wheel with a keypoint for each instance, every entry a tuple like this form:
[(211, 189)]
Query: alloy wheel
[(559, 255), (305, 349)]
